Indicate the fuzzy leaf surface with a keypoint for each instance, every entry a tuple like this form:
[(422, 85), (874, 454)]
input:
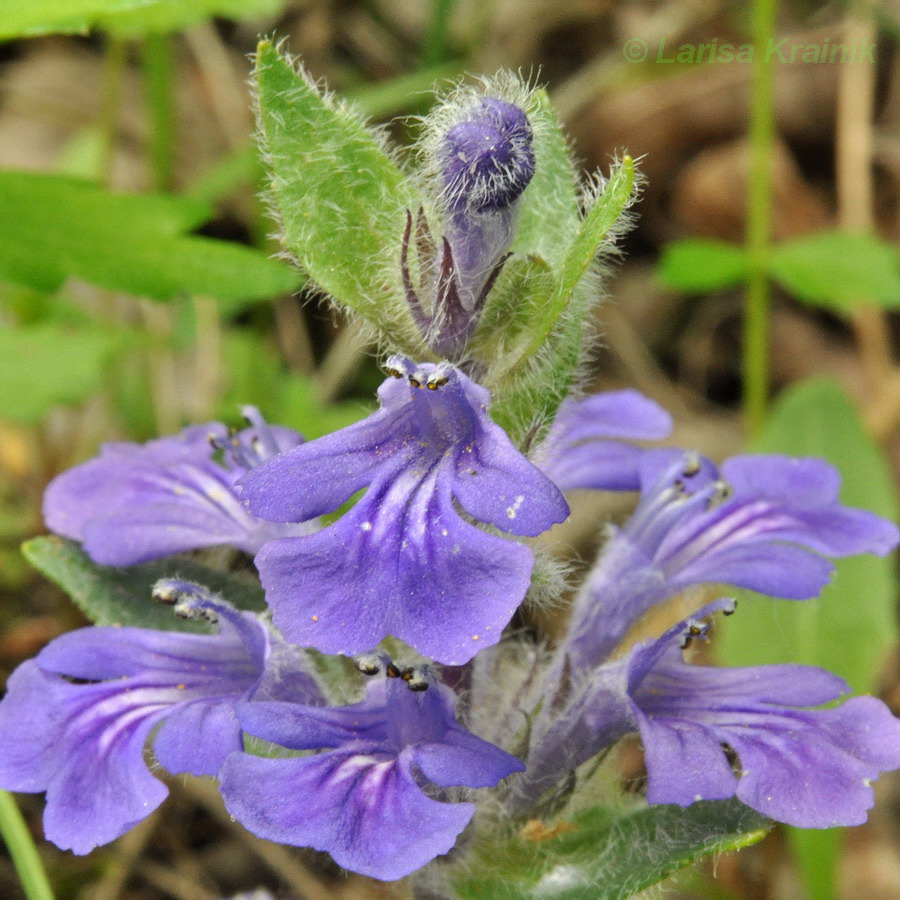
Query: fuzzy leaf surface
[(121, 596), (340, 199), (548, 214), (582, 251), (611, 856)]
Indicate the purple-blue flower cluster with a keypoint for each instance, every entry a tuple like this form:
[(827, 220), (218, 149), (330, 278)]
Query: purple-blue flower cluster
[(432, 509)]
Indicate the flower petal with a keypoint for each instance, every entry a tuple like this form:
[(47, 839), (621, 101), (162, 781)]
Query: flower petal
[(400, 562), (367, 812), (585, 446)]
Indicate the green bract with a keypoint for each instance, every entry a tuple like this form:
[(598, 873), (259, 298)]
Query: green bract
[(342, 203)]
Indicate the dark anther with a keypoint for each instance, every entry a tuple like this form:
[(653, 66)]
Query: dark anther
[(369, 665), (165, 594), (394, 373), (415, 382), (391, 671)]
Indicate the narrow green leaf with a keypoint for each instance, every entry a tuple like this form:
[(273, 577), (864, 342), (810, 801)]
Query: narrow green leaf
[(162, 16), (850, 628), (817, 853), (581, 253), (548, 215), (133, 18), (54, 228), (702, 265), (121, 596), (48, 364), (341, 200), (608, 855), (22, 851), (29, 19), (839, 271)]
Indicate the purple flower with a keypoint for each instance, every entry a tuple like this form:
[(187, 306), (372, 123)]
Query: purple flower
[(139, 502), (362, 800), (797, 764), (588, 445), (75, 720), (484, 160), (403, 561), (767, 523), (807, 767)]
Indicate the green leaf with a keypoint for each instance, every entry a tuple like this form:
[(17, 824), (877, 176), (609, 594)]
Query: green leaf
[(838, 270), (594, 231), (162, 16), (850, 628), (53, 228), (548, 216), (29, 18), (299, 407), (702, 265), (36, 17), (48, 364), (610, 856), (341, 200), (537, 344), (121, 596)]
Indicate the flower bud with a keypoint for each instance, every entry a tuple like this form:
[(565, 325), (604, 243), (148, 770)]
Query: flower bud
[(478, 157), (487, 157)]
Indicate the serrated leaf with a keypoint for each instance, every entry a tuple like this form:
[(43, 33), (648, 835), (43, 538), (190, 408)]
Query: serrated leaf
[(342, 202), (850, 628), (838, 270), (121, 596), (49, 364), (702, 265), (611, 856), (54, 228)]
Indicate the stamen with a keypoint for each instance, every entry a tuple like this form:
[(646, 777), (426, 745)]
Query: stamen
[(370, 664)]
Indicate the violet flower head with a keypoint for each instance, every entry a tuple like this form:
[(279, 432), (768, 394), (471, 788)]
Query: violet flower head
[(76, 719), (807, 767), (589, 443), (487, 157), (482, 159), (362, 799), (767, 523), (796, 763), (403, 561), (137, 502)]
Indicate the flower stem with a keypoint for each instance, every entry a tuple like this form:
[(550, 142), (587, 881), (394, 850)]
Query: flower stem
[(434, 48), (113, 74), (158, 83), (22, 850), (759, 208)]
